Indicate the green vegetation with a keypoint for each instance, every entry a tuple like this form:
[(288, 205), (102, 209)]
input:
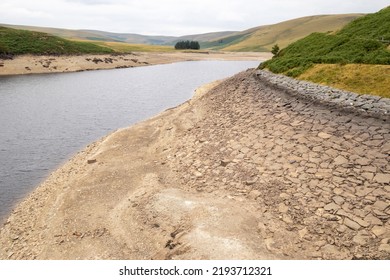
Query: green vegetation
[(275, 49), (187, 45), (364, 41), (15, 42)]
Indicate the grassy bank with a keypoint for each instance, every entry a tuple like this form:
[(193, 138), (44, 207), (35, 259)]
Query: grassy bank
[(16, 42), (359, 78), (347, 59)]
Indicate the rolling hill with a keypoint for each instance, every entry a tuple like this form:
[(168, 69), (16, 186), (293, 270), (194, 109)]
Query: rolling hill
[(262, 38), (14, 42)]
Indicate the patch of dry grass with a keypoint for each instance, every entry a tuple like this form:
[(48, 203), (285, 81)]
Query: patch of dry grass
[(359, 78), (125, 47)]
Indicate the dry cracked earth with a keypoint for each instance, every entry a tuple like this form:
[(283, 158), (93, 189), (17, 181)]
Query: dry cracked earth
[(243, 171)]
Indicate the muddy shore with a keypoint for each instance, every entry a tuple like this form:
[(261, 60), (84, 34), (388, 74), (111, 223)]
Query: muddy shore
[(243, 170), (30, 64)]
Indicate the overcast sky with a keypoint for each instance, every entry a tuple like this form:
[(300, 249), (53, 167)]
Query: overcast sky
[(172, 17)]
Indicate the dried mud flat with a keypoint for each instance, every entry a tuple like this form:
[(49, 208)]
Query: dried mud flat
[(36, 64), (241, 171)]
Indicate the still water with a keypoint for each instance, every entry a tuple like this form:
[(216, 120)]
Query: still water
[(47, 118)]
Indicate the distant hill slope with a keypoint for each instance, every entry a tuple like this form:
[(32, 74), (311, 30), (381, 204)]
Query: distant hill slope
[(262, 38), (96, 35), (14, 42)]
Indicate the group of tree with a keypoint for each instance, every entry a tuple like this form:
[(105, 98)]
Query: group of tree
[(187, 45)]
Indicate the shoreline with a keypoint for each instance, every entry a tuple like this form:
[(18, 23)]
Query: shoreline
[(243, 170), (31, 64)]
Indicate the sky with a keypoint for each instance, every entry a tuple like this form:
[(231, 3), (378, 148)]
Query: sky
[(172, 17)]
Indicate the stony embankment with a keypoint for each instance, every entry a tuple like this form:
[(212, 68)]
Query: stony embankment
[(321, 177), (244, 171), (366, 105)]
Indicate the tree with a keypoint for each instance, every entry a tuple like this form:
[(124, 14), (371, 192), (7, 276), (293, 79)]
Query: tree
[(275, 50), (185, 45)]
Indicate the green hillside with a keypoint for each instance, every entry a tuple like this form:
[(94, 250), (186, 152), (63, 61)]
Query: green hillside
[(365, 40), (262, 38), (15, 42)]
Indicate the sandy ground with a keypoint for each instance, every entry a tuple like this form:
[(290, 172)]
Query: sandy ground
[(28, 64), (241, 171)]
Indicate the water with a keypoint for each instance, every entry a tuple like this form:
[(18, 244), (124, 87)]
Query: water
[(47, 118)]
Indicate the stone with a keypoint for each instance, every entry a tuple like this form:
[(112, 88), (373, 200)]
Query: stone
[(225, 162), (303, 232), (361, 238), (332, 207), (338, 200), (90, 161), (373, 220), (381, 205), (363, 161), (361, 222), (378, 231), (384, 248), (382, 178), (283, 208), (351, 224), (198, 174), (340, 160), (324, 135), (284, 196), (254, 194), (250, 182), (368, 175)]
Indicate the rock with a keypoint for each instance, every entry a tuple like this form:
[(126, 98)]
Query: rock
[(340, 160), (341, 228), (251, 182), (361, 238), (338, 200), (369, 176), (332, 207), (351, 224), (90, 161), (303, 232), (360, 221), (284, 196), (373, 220), (381, 205), (287, 219), (384, 248), (382, 178), (324, 135), (254, 194), (363, 161), (225, 162), (378, 230), (198, 174), (283, 208)]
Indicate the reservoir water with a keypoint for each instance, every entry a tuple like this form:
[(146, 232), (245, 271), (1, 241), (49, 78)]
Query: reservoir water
[(47, 118)]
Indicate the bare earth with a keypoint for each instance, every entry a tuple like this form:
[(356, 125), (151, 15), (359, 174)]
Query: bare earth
[(241, 171), (29, 64)]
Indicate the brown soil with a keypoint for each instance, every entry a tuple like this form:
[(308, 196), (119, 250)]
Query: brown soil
[(29, 64), (241, 171)]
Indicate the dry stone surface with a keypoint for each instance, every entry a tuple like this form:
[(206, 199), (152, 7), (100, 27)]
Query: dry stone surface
[(320, 175)]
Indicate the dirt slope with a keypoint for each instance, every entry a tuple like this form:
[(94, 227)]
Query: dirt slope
[(240, 172)]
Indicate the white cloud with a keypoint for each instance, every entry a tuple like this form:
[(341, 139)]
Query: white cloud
[(171, 17)]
